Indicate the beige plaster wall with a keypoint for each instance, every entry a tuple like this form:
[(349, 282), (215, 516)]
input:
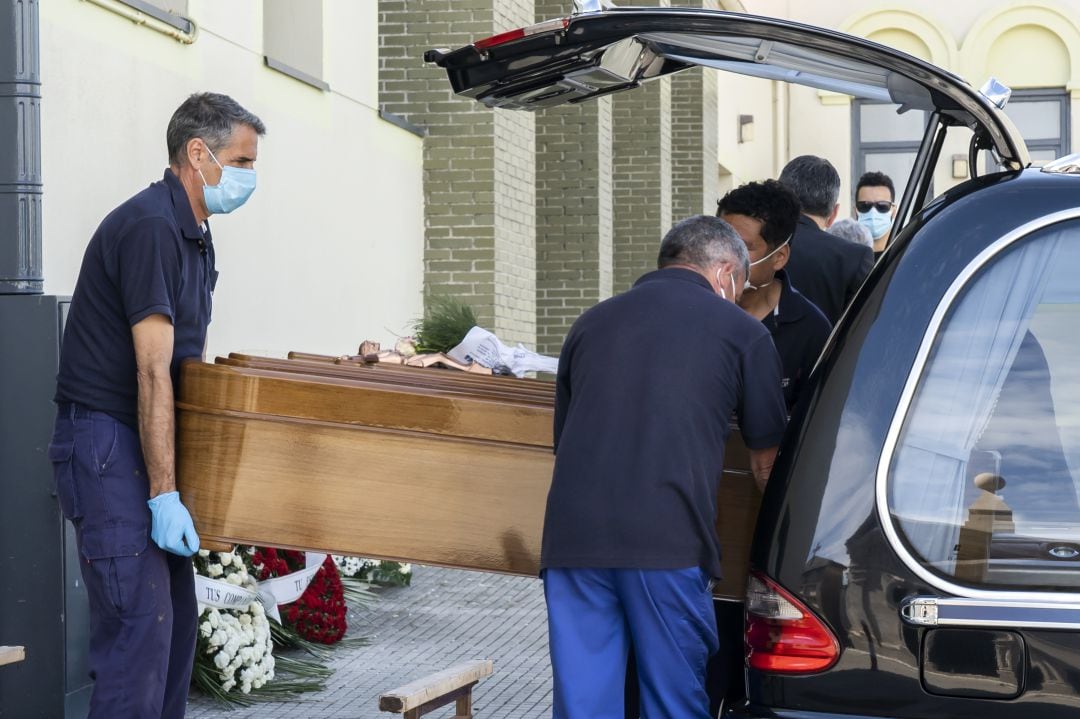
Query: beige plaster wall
[(1024, 44), (328, 250)]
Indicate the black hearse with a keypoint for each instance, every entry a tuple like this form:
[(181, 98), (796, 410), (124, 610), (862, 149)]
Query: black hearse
[(918, 549)]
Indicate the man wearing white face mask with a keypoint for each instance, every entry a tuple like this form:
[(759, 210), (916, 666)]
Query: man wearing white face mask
[(630, 542), (875, 207), (765, 214), (142, 305)]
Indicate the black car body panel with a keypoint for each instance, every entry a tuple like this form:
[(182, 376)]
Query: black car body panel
[(821, 498), (603, 52)]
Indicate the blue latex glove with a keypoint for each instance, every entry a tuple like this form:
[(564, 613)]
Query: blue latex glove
[(171, 525)]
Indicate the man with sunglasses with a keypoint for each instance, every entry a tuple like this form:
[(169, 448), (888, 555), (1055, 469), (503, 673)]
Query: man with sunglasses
[(827, 269), (875, 207)]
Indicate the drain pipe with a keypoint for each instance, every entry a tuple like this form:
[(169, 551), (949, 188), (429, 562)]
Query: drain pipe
[(20, 149)]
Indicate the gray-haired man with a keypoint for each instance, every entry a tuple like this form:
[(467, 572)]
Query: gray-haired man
[(141, 305), (647, 384)]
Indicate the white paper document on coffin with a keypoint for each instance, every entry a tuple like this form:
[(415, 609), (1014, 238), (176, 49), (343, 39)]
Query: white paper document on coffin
[(484, 348)]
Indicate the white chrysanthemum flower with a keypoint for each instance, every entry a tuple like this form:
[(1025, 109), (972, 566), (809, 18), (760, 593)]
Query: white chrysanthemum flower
[(349, 566), (214, 617), (406, 569), (206, 629), (226, 559), (214, 570), (245, 619), (204, 553), (219, 637), (257, 609), (234, 579), (228, 684), (221, 660)]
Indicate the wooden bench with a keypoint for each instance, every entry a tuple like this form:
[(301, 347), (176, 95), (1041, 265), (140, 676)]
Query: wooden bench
[(11, 655), (423, 696)]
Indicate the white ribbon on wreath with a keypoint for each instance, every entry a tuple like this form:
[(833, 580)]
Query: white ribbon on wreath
[(270, 592)]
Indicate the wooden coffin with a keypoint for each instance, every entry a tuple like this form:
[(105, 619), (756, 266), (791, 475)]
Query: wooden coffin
[(420, 465)]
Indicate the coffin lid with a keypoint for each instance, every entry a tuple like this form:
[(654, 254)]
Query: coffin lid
[(596, 53)]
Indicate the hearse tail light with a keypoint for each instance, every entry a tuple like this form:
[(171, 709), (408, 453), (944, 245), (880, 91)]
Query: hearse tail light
[(782, 636), (537, 29)]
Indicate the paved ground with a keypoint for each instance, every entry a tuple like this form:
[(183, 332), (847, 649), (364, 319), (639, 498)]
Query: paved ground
[(445, 617)]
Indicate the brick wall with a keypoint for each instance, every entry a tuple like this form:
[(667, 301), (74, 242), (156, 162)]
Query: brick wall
[(641, 167), (479, 184), (534, 218), (695, 182), (694, 152), (574, 216)]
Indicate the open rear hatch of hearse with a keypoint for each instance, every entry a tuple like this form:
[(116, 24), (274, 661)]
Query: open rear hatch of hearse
[(591, 54)]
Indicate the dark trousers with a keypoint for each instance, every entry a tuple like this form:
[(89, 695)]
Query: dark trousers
[(143, 613), (594, 615)]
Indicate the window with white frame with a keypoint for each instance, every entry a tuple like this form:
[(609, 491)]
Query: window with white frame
[(984, 482), (885, 141), (1042, 117)]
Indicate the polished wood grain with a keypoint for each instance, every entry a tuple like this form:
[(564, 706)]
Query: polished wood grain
[(294, 453), (541, 393), (329, 398)]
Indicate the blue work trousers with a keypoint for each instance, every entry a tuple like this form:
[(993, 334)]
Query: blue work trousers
[(143, 613), (595, 615)]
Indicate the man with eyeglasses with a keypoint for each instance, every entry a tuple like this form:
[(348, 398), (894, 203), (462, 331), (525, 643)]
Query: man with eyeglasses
[(828, 270), (875, 207), (765, 214)]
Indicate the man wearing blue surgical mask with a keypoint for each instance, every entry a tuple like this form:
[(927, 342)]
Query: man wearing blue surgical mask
[(875, 207), (141, 306)]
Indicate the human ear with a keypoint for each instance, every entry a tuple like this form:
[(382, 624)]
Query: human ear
[(195, 151)]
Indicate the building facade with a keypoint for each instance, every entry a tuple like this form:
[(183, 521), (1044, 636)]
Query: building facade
[(378, 185), (329, 250)]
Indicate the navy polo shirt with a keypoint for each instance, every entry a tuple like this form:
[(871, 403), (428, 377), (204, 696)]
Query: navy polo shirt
[(647, 384), (799, 331), (148, 256)]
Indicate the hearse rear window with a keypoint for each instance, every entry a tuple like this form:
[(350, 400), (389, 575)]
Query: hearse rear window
[(984, 485)]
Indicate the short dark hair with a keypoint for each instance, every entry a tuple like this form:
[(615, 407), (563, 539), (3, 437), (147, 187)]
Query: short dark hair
[(208, 115), (876, 179), (770, 202), (702, 241), (815, 182)]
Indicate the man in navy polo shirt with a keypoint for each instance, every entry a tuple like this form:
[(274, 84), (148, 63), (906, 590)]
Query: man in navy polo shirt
[(647, 384), (142, 305), (765, 214)]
